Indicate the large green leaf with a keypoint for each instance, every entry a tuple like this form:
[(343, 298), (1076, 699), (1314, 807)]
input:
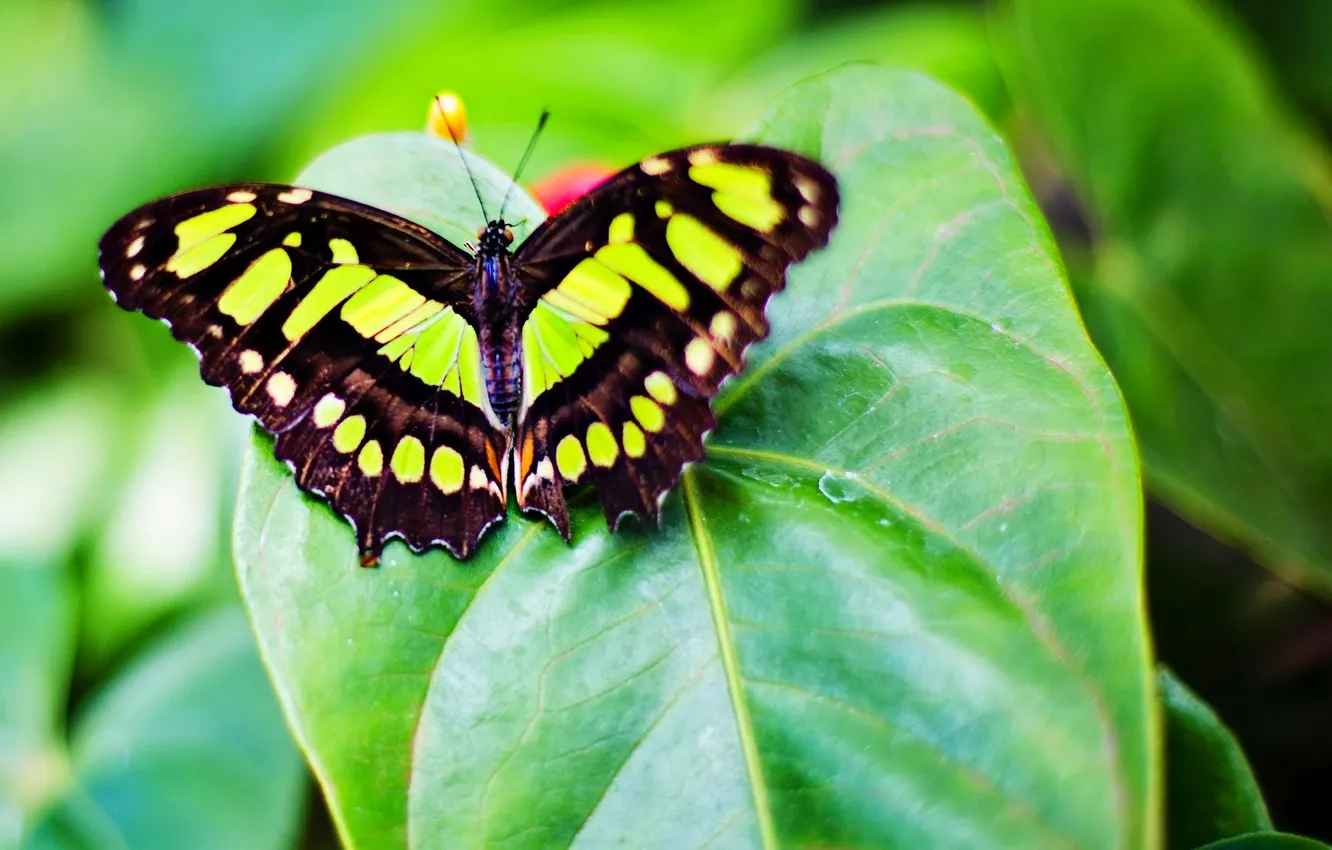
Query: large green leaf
[(897, 606), (1210, 790), (1212, 262), (187, 745)]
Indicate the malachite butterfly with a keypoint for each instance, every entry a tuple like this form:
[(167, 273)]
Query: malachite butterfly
[(410, 382)]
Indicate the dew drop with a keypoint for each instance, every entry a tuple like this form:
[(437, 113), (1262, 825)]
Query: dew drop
[(839, 487)]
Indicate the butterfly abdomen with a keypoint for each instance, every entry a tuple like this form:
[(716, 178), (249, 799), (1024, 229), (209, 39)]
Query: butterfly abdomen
[(498, 337)]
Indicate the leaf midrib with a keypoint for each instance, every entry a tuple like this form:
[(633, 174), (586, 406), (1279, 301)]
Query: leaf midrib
[(707, 562)]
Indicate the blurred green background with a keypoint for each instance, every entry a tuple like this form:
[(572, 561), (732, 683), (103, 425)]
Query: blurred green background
[(121, 642)]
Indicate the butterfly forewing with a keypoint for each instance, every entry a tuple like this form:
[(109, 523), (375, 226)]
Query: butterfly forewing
[(644, 296), (345, 330)]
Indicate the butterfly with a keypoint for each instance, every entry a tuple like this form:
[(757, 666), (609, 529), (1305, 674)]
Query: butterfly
[(410, 381)]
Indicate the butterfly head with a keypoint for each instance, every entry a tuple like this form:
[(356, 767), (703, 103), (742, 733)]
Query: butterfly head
[(494, 238)]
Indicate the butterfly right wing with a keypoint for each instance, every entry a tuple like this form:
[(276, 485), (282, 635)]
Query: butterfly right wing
[(346, 331), (645, 294)]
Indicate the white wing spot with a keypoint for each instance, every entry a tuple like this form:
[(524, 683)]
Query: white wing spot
[(251, 361), (723, 325), (134, 247), (296, 196), (809, 190), (477, 479), (703, 156), (241, 197), (137, 271), (281, 388), (809, 215), (699, 356), (655, 165), (545, 470)]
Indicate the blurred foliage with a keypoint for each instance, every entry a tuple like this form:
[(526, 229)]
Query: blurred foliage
[(1179, 148), (1207, 282), (1211, 790)]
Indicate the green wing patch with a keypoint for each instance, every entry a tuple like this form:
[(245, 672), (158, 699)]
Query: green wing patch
[(344, 330), (644, 296)]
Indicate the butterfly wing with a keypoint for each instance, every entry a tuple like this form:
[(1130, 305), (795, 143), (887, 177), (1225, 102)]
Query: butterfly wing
[(346, 331), (643, 296)]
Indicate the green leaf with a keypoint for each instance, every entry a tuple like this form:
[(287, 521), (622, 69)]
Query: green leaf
[(897, 606), (1210, 790), (186, 742), (1212, 257), (1267, 841)]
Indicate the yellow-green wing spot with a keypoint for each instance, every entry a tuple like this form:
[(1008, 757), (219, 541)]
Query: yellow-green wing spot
[(446, 470), (621, 229), (601, 445), (633, 262), (437, 346), (648, 413), (715, 261), (660, 386), (371, 459), (203, 239), (742, 192), (569, 459), (248, 296), (591, 292), (408, 462), (379, 304), (344, 252), (349, 433), (200, 228), (191, 262), (555, 343), (635, 443), (336, 286), (328, 410)]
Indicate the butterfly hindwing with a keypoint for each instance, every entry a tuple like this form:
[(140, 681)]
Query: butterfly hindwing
[(644, 296), (343, 329)]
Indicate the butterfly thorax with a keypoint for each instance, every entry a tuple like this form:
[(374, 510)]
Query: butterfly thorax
[(494, 300)]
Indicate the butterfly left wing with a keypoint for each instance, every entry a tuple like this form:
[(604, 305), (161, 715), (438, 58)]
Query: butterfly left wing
[(345, 330), (643, 296)]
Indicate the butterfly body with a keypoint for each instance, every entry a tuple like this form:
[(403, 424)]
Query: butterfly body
[(415, 385), (496, 302)]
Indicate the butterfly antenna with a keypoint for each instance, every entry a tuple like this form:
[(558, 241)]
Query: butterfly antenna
[(522, 163), (466, 166)]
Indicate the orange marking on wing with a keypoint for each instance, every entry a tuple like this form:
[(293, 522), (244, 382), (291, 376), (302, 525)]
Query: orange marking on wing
[(526, 466)]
